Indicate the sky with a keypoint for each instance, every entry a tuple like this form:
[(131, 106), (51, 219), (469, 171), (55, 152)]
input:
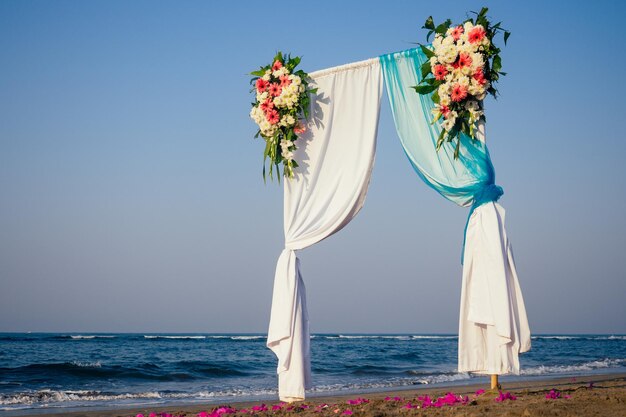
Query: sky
[(131, 195)]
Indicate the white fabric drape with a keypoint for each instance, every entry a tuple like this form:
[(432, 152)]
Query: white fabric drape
[(336, 157), (493, 328)]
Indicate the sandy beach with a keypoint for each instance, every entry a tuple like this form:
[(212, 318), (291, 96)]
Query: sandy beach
[(592, 395)]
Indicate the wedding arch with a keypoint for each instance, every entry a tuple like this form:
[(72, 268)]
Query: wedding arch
[(329, 187)]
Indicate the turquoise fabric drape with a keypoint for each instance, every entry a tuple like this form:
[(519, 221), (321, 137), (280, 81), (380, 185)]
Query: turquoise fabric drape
[(468, 181)]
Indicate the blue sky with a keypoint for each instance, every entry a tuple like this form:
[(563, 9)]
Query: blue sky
[(131, 196)]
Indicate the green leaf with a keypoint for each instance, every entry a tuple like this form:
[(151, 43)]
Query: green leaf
[(427, 52), (425, 89), (426, 69), (506, 36), (442, 28), (458, 147), (441, 139), (429, 24), (258, 73), (497, 63), (435, 97), (428, 35)]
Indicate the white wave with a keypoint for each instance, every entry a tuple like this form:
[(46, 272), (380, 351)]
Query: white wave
[(51, 396), (80, 337), (583, 337), (557, 337), (566, 369), (394, 337), (47, 397), (438, 379), (174, 337), (87, 364), (395, 382), (247, 337), (434, 337)]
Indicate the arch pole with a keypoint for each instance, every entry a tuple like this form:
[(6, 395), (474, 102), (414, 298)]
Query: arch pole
[(494, 382)]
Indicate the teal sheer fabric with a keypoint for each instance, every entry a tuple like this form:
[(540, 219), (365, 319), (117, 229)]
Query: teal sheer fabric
[(468, 181)]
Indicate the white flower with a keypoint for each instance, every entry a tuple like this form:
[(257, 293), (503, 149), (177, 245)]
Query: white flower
[(448, 54), (475, 89), (444, 100), (267, 129), (477, 60), (262, 97), (257, 115), (266, 76), (281, 71), (287, 120), (295, 79), (285, 152), (463, 80), (443, 90), (467, 26), (448, 124), (437, 43)]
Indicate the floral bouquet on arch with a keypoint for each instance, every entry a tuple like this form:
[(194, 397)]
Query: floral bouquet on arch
[(463, 66), (282, 103)]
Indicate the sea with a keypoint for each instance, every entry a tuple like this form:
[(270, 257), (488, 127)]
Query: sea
[(53, 372)]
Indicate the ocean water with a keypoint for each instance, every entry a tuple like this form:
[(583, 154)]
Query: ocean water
[(52, 372)]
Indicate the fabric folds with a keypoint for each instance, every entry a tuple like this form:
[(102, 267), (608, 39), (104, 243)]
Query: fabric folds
[(493, 328), (460, 181), (336, 157)]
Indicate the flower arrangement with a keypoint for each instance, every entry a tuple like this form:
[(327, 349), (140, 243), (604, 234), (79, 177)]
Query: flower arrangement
[(282, 103), (463, 66)]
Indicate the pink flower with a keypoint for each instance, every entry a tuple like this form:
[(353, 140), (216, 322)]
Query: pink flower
[(273, 117), (553, 395), (505, 396), (261, 85), (299, 129), (477, 34), (275, 89), (276, 407), (480, 392), (284, 80), (479, 76), (277, 65), (458, 93), (139, 415), (457, 32), (152, 415), (267, 105), (464, 60), (347, 412), (445, 111), (440, 72)]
